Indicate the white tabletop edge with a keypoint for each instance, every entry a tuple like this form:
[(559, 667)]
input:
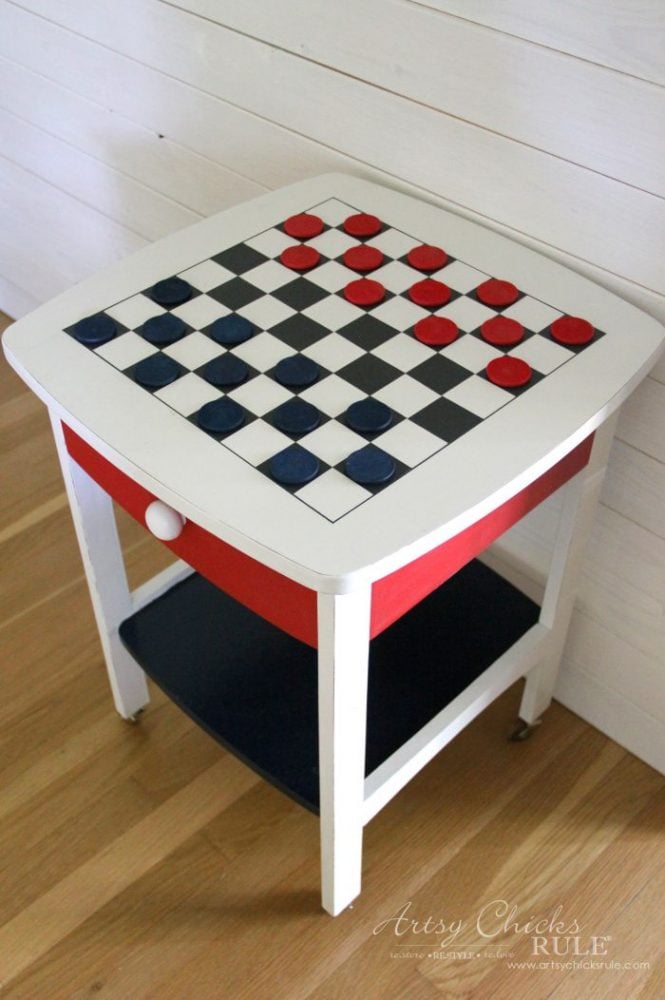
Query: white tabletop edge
[(353, 552)]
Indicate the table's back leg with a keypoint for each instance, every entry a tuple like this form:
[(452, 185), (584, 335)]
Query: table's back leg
[(575, 522), (343, 654), (94, 522)]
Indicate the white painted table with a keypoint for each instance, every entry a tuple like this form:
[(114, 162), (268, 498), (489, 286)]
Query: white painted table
[(332, 563)]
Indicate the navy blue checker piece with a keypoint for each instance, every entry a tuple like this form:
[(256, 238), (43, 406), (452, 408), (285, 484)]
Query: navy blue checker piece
[(157, 371), (230, 330), (332, 400), (221, 416), (295, 466), (163, 329), (370, 466), (296, 417), (93, 331), (226, 371), (369, 416), (171, 292), (296, 371)]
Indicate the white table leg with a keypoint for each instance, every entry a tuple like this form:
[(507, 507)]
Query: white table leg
[(94, 521), (343, 644), (575, 522)]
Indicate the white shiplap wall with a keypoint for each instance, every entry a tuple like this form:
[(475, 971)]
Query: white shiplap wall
[(122, 122)]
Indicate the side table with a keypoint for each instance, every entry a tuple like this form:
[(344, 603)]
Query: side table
[(327, 403)]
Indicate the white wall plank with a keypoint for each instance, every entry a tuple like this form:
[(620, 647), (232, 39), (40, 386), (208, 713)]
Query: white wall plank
[(614, 713), (133, 205), (140, 152), (628, 35), (642, 420), (658, 371), (502, 180), (587, 114), (615, 663), (250, 146), (14, 301), (635, 487), (623, 583), (37, 253)]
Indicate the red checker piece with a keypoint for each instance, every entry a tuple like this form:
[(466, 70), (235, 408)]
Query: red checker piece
[(303, 226), (300, 258), (363, 258), (501, 331), (364, 292), (494, 292), (510, 373), (427, 258), (429, 293), (572, 330), (362, 225), (436, 331)]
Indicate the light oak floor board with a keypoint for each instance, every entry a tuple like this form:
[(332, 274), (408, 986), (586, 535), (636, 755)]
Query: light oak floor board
[(143, 861)]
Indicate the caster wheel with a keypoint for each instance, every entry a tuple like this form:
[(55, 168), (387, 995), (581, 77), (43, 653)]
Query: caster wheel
[(523, 730), (133, 720)]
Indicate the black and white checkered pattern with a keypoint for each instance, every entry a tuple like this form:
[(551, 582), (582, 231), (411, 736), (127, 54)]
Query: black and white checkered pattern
[(436, 394)]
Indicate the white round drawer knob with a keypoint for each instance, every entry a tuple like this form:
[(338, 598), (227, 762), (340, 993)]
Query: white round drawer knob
[(163, 521)]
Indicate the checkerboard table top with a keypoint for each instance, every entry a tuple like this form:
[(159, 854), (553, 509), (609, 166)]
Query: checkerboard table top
[(334, 377)]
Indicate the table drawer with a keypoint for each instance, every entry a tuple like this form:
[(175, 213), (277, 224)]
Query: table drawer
[(280, 600)]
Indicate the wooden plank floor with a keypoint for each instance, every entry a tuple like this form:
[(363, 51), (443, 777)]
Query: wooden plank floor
[(143, 861)]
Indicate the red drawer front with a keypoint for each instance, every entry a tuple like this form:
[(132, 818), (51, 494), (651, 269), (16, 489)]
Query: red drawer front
[(278, 599), (396, 593), (292, 606)]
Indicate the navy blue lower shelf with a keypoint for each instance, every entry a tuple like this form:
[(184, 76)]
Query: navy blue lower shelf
[(254, 688)]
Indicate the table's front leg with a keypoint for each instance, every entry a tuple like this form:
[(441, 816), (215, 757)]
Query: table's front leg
[(343, 655), (575, 523), (94, 522)]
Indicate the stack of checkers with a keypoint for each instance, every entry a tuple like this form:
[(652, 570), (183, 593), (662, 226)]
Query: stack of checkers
[(334, 353)]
